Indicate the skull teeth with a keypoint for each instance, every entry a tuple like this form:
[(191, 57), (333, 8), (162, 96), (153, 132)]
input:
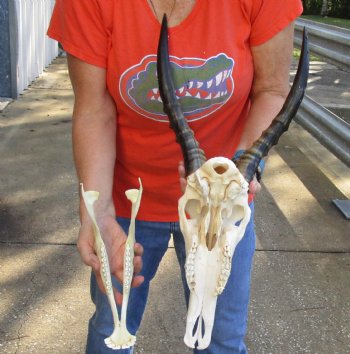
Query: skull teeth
[(225, 271), (189, 266)]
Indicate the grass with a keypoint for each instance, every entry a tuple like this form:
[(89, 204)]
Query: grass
[(340, 22), (296, 55)]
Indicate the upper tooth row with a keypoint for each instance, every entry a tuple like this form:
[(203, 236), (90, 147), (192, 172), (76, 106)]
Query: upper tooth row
[(189, 266), (227, 251), (225, 270)]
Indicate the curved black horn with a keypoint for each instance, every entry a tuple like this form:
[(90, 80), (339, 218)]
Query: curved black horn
[(193, 156), (249, 161)]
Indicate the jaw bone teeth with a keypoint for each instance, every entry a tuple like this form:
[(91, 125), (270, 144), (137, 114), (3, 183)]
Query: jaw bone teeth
[(120, 338)]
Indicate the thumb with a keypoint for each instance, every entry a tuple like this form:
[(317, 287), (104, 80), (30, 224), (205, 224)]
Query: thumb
[(88, 254)]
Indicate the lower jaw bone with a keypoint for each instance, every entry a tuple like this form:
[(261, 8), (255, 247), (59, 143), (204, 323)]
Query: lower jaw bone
[(121, 338)]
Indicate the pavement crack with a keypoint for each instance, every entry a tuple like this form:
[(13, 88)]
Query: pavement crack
[(38, 243), (304, 251), (26, 315), (50, 88), (14, 338), (308, 308), (162, 325)]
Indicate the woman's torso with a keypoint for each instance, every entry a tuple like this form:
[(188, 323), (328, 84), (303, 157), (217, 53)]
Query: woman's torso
[(213, 71)]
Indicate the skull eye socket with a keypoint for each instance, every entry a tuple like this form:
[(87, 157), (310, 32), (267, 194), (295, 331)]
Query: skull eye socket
[(195, 209), (238, 213), (233, 216)]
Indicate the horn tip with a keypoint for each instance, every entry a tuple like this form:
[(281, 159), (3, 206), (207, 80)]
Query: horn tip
[(165, 20)]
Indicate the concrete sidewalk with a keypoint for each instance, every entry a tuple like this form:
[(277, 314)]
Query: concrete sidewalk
[(301, 280)]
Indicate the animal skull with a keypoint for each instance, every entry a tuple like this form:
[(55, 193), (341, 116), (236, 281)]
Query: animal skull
[(214, 210), (216, 201)]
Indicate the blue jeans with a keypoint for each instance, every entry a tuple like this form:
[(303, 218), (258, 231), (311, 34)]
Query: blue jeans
[(232, 305)]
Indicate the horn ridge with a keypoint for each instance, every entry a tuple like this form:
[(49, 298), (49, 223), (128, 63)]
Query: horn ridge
[(194, 157), (249, 161)]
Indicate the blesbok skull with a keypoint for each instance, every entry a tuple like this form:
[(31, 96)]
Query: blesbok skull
[(214, 210), (216, 201)]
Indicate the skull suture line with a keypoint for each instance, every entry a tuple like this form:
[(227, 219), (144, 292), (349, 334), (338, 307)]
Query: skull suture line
[(216, 197)]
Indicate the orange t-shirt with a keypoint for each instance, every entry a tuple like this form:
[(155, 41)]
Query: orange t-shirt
[(213, 73)]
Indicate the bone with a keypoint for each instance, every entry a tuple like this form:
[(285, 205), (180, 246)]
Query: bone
[(214, 210), (214, 189), (215, 199), (121, 338), (134, 195)]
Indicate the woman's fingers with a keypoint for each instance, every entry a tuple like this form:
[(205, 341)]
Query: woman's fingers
[(87, 251), (182, 176), (254, 186), (118, 297), (137, 280), (114, 239), (100, 282), (138, 249)]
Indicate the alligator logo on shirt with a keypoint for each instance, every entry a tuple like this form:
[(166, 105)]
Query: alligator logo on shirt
[(202, 86)]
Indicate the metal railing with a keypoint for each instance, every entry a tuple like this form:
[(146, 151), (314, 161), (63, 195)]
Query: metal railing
[(332, 44), (330, 130), (329, 42)]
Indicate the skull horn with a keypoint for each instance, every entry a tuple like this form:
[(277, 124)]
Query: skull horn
[(249, 161), (193, 156)]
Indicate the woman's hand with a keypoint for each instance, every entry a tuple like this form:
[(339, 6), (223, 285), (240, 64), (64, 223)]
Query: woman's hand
[(254, 186), (182, 176), (114, 239)]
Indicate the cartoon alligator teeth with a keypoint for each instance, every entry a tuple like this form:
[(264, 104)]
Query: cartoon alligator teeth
[(199, 89)]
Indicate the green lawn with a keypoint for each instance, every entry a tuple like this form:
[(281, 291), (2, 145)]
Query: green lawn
[(296, 55), (340, 22)]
